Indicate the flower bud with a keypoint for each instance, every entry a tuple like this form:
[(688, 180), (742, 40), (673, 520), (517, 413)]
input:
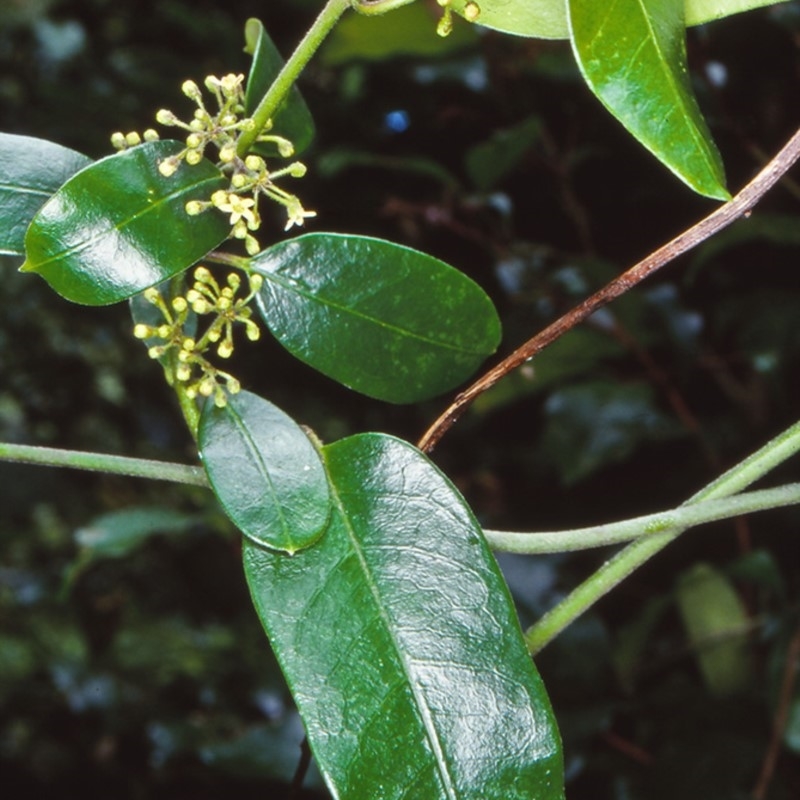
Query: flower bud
[(165, 117), (472, 11), (194, 207), (118, 141), (227, 153), (255, 163), (151, 135), (132, 139), (168, 167), (194, 157), (219, 198), (191, 90)]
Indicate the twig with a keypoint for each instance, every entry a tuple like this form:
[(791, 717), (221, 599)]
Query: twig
[(738, 206), (781, 718), (302, 768)]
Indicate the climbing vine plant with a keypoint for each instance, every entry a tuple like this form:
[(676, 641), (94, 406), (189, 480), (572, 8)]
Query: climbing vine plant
[(373, 580)]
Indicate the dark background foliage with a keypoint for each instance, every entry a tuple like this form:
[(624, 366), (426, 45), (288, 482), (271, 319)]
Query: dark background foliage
[(142, 671)]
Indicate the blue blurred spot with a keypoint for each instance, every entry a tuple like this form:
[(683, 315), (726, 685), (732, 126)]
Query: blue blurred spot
[(397, 121)]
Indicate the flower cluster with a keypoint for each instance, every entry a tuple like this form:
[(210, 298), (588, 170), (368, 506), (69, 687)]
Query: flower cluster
[(206, 297), (471, 13), (250, 178)]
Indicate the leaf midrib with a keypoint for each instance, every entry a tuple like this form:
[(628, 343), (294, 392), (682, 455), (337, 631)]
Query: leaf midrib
[(675, 89), (433, 737), (122, 224), (261, 466), (291, 287)]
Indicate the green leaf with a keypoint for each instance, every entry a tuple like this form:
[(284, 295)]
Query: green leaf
[(700, 11), (293, 120), (31, 170), (119, 226), (118, 533), (594, 424), (717, 624), (491, 161), (544, 19), (399, 641), (407, 31), (632, 54), (385, 320), (265, 472), (547, 19)]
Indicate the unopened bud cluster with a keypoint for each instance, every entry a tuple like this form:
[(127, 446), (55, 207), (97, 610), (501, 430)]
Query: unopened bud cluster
[(122, 141), (250, 178), (190, 365), (470, 13)]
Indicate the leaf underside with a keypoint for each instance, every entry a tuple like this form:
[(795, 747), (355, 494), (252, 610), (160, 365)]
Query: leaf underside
[(293, 120), (547, 19)]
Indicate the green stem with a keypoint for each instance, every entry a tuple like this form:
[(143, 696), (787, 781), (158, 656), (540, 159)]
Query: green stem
[(684, 517), (630, 558), (286, 78), (189, 409), (188, 405), (100, 462), (375, 7)]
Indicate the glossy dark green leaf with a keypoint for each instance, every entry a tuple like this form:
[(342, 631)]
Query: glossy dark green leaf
[(385, 320), (407, 31), (547, 19), (119, 226), (265, 472), (717, 625), (399, 641), (293, 119), (31, 170), (632, 54)]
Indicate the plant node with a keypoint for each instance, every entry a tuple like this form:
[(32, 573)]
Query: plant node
[(250, 177)]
